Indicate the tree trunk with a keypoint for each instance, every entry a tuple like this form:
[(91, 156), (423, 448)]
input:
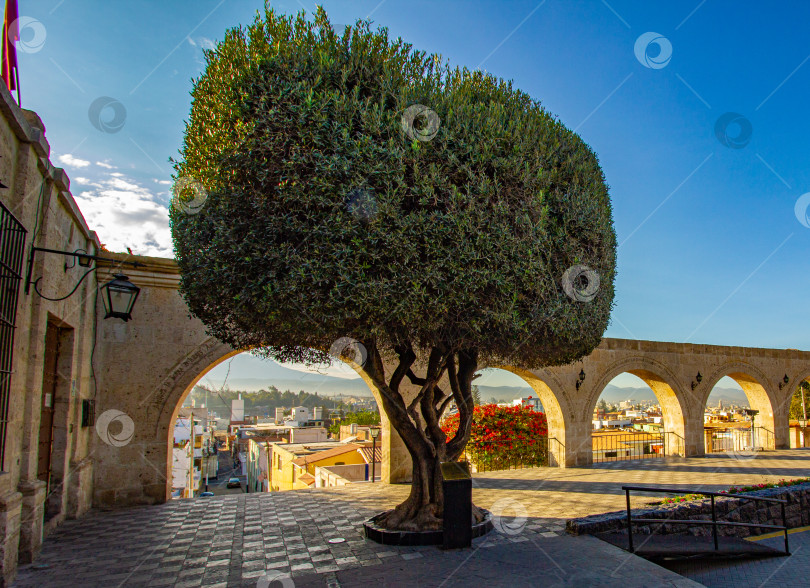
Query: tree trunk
[(418, 425)]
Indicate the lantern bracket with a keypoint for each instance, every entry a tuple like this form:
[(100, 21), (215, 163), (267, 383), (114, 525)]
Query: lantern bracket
[(84, 260)]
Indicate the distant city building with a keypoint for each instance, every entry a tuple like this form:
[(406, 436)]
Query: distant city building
[(355, 432), (612, 421), (193, 452), (238, 409), (531, 401)]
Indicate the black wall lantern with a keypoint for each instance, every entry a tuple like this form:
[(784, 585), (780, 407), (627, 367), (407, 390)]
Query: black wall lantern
[(581, 378), (785, 381), (119, 296), (698, 380)]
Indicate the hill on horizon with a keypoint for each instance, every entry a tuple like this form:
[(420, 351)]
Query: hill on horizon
[(333, 386)]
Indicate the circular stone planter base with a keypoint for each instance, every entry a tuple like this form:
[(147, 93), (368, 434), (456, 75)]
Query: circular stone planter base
[(417, 538)]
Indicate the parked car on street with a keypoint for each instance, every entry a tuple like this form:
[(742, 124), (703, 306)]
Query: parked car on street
[(233, 483)]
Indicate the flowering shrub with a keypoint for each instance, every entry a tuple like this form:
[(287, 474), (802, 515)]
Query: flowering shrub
[(738, 490), (504, 437)]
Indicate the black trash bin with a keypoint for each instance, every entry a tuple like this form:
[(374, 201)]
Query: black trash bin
[(457, 486)]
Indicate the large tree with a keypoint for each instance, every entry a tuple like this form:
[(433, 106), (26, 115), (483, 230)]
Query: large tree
[(358, 190)]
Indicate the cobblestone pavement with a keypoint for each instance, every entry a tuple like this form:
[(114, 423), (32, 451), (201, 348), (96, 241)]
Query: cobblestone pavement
[(559, 494), (785, 572), (576, 562), (235, 540)]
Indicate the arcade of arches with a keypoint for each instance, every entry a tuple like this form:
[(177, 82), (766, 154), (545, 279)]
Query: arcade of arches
[(148, 365), (69, 363)]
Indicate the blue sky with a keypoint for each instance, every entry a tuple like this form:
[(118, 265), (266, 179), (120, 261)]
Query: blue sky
[(711, 247)]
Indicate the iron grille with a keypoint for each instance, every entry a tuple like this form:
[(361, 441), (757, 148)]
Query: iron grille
[(625, 445), (88, 413), (510, 454), (12, 245)]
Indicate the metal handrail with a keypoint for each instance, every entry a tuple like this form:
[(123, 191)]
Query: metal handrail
[(714, 522), (485, 459)]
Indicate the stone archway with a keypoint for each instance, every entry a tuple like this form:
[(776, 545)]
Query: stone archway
[(141, 369), (396, 462), (760, 398), (556, 418), (665, 385), (800, 436)]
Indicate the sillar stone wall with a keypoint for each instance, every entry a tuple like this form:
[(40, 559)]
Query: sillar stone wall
[(732, 508)]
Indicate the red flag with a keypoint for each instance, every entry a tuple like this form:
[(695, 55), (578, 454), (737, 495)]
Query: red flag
[(11, 34)]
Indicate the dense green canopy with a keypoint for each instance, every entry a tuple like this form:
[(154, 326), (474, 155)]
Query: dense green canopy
[(333, 212)]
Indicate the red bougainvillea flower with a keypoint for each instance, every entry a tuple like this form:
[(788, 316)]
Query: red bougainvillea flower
[(504, 435)]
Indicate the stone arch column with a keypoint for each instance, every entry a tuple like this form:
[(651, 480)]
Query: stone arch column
[(137, 470), (563, 432), (678, 419), (772, 415), (787, 400)]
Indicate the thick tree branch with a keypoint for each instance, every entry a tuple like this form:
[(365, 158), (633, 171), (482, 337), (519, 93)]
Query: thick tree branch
[(461, 385), (392, 401)]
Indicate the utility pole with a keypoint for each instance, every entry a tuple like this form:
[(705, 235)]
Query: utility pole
[(191, 461), (804, 414), (206, 453)]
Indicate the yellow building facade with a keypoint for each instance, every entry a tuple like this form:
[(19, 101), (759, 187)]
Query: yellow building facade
[(292, 465)]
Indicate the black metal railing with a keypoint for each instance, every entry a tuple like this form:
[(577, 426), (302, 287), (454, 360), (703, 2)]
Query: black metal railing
[(620, 446), (714, 522), (740, 440), (12, 245), (513, 454), (764, 438)]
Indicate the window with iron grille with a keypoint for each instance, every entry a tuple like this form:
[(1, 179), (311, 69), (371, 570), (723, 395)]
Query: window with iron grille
[(12, 245), (88, 413)]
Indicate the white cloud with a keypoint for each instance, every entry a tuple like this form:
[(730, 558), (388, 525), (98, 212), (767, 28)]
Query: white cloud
[(126, 214), (203, 42), (68, 159), (105, 165), (163, 182)]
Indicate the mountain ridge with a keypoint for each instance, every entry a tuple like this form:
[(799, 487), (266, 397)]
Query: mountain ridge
[(332, 386)]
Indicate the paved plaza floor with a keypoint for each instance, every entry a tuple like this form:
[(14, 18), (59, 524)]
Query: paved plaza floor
[(786, 572), (246, 540)]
